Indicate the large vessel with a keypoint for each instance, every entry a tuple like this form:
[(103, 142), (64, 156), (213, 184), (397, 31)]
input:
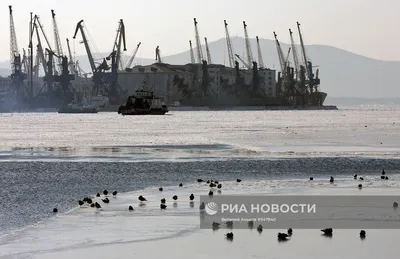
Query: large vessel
[(143, 102)]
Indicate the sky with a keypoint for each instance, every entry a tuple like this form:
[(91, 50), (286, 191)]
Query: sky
[(366, 27)]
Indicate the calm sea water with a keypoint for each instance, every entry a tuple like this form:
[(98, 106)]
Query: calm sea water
[(52, 160)]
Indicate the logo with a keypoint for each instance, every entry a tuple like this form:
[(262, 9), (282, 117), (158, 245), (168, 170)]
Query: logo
[(211, 208)]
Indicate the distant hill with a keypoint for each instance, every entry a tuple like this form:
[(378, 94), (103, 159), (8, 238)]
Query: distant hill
[(342, 73)]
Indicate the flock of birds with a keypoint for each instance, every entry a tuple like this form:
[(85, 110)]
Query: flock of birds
[(215, 226)]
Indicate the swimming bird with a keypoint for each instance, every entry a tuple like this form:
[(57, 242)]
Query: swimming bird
[(260, 228), (80, 203), (290, 231), (360, 186), (219, 186), (85, 199), (327, 231), (199, 180), (332, 179), (212, 185), (89, 201), (229, 224), (250, 224), (238, 180), (311, 178), (106, 200), (210, 193), (382, 177), (114, 193), (191, 197), (98, 195), (130, 208), (55, 210), (105, 192), (163, 200), (160, 189), (141, 198), (362, 179), (92, 205), (180, 185), (163, 206), (386, 178), (355, 176), (215, 225), (229, 235), (395, 205), (383, 172), (174, 197), (216, 182), (363, 233), (208, 181), (97, 205), (202, 206), (282, 236)]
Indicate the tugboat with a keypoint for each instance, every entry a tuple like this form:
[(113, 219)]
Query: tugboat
[(143, 102)]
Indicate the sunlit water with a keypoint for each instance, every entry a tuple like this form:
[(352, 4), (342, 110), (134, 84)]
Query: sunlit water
[(52, 160)]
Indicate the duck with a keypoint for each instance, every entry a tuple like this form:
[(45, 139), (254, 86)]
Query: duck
[(141, 198), (160, 189), (282, 236), (332, 179), (250, 224), (174, 197), (106, 200), (215, 225), (363, 233), (180, 185), (105, 192), (80, 203), (163, 200), (219, 186), (130, 208), (327, 231), (238, 180), (55, 210), (202, 206), (191, 197), (97, 205), (199, 180), (229, 235), (311, 178), (114, 193), (163, 206), (290, 231), (210, 193)]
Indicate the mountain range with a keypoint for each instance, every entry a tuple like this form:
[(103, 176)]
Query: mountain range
[(342, 73)]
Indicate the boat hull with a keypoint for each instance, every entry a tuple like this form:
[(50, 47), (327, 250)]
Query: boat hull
[(143, 112)]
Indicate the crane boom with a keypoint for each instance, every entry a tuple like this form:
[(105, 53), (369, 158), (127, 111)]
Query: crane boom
[(199, 50), (71, 62), (40, 49), (260, 58), (79, 26), (120, 38), (247, 42), (231, 57), (57, 41), (43, 33), (192, 60), (303, 50), (244, 62), (280, 54), (294, 53), (130, 61), (14, 51), (208, 51)]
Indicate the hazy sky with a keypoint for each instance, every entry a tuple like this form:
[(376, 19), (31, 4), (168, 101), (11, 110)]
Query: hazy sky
[(367, 27)]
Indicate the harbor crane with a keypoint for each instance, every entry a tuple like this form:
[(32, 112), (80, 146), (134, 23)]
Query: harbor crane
[(120, 38), (198, 44), (192, 59), (260, 58), (247, 43), (158, 56), (231, 57), (294, 54), (57, 42), (17, 76), (130, 61), (312, 82), (208, 51)]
